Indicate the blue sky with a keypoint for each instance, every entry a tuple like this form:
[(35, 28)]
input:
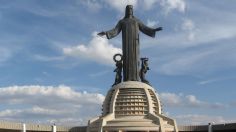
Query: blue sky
[(55, 69)]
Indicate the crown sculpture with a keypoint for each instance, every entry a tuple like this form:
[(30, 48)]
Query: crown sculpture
[(131, 105)]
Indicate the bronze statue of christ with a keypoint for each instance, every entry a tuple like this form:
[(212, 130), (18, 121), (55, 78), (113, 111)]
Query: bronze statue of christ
[(130, 27)]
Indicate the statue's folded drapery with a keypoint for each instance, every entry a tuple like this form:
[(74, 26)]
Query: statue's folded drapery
[(130, 28)]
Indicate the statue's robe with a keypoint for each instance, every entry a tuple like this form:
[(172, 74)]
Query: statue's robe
[(130, 44)]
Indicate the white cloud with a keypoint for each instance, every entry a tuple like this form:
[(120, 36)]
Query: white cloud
[(43, 103), (170, 99), (193, 101), (98, 50), (190, 101), (170, 5), (151, 23), (207, 81), (92, 4), (120, 5), (148, 4), (196, 119), (213, 80), (189, 26)]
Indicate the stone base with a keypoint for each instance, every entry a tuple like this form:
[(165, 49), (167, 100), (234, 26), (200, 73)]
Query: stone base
[(132, 106)]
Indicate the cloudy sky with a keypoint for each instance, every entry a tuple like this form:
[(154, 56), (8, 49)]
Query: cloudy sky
[(55, 69)]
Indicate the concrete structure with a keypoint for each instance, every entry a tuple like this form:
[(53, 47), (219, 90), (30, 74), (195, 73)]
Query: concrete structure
[(54, 128), (24, 127), (132, 106)]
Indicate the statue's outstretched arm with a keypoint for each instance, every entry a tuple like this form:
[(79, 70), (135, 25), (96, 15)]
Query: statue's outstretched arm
[(101, 33), (113, 32), (159, 29), (147, 30)]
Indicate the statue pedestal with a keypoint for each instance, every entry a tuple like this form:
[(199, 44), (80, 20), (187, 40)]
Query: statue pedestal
[(132, 106)]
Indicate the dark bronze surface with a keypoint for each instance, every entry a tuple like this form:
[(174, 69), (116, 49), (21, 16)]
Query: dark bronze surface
[(118, 69), (143, 70), (130, 27)]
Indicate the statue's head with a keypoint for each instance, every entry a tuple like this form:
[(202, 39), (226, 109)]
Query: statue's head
[(129, 11)]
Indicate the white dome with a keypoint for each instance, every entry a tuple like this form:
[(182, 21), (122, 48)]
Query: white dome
[(132, 106), (131, 98)]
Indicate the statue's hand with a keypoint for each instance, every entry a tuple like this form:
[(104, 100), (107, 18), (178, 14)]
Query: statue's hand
[(158, 29), (101, 33)]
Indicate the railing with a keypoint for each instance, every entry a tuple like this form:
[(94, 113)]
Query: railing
[(208, 128), (23, 127)]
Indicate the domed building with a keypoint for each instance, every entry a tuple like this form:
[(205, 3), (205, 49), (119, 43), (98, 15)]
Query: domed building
[(132, 106)]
